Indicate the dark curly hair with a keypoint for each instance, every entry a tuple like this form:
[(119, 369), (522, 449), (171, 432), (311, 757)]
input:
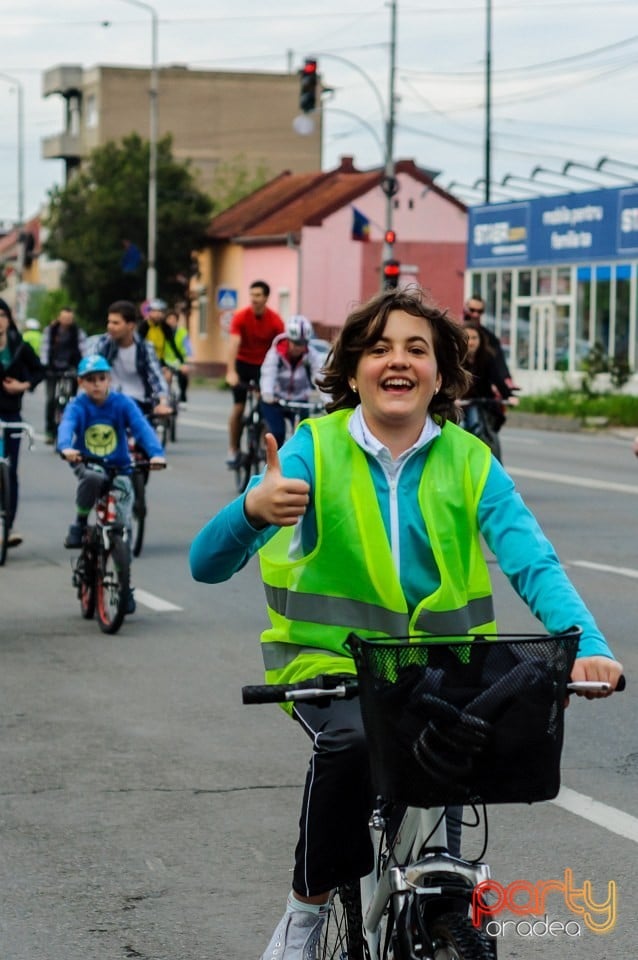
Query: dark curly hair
[(365, 326)]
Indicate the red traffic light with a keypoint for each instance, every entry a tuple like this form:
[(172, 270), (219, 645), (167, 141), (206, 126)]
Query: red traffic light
[(391, 274), (390, 236), (308, 86)]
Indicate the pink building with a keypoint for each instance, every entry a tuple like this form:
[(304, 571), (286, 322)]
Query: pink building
[(296, 233)]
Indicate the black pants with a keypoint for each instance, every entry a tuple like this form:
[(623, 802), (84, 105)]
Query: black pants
[(12, 451), (49, 409), (334, 844)]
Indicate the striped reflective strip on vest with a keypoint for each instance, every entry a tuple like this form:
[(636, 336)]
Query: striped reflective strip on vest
[(457, 622), (279, 655), (335, 611)]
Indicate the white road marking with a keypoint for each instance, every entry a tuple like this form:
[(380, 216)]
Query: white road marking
[(155, 603), (204, 424), (606, 568), (616, 821), (574, 481)]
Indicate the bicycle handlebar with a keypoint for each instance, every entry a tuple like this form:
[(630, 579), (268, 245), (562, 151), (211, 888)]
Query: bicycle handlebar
[(340, 687), (303, 406), (20, 426), (113, 470)]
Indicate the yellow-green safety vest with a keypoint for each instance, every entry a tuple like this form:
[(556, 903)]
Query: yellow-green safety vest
[(348, 582)]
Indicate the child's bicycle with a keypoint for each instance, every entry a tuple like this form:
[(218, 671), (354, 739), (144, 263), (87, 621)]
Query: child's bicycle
[(102, 571), (449, 721)]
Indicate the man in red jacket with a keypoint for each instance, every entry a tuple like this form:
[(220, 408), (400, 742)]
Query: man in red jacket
[(252, 330)]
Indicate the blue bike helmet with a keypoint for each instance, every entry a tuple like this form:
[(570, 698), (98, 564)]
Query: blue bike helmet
[(93, 364)]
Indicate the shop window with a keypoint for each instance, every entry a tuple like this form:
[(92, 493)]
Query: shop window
[(476, 286), (490, 299), (561, 337), (583, 303), (601, 307), (621, 333), (543, 282), (524, 283), (563, 281), (522, 338)]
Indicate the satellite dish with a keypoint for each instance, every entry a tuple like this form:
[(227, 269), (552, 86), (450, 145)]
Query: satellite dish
[(303, 125)]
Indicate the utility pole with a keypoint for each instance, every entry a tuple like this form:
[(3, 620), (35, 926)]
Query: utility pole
[(390, 185)]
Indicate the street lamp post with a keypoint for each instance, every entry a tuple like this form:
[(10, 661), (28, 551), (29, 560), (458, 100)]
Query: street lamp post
[(20, 223), (488, 99), (151, 268)]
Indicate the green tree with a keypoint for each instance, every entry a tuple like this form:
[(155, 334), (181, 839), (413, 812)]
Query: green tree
[(104, 206)]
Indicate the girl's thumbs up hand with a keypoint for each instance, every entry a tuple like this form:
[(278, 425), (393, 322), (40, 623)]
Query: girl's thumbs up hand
[(277, 499)]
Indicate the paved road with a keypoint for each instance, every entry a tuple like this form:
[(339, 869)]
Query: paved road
[(145, 813)]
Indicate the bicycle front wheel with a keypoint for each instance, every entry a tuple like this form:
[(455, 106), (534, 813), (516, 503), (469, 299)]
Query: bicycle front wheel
[(5, 500), (85, 579), (251, 455), (113, 585), (454, 937), (342, 934)]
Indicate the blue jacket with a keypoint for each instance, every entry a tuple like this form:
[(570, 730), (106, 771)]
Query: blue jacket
[(523, 552), (102, 431)]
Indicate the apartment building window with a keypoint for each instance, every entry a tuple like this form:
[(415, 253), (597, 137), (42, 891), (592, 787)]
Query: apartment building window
[(90, 116)]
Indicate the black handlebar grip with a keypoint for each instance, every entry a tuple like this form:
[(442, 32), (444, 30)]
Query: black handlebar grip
[(265, 693), (622, 683)]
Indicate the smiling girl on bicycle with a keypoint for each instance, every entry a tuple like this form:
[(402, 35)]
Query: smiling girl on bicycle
[(369, 519)]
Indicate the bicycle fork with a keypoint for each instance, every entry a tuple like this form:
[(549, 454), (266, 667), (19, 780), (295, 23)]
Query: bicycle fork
[(418, 884)]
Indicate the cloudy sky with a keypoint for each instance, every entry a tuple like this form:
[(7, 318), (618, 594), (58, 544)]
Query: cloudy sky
[(564, 77)]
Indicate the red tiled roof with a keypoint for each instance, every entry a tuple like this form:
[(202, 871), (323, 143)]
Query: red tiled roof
[(292, 201)]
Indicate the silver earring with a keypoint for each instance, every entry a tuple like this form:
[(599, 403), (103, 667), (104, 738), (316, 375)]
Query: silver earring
[(353, 387)]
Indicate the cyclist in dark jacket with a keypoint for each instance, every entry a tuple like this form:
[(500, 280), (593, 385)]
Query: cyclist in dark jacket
[(63, 346), (20, 370)]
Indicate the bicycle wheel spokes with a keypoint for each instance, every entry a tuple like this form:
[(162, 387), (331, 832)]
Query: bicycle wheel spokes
[(342, 934), (4, 511), (113, 585)]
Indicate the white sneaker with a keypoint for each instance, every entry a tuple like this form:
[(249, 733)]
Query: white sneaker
[(296, 937)]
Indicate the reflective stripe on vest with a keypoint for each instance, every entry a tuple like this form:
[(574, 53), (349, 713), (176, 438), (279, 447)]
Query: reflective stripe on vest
[(348, 581)]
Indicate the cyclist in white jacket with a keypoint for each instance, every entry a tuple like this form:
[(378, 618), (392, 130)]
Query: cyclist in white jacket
[(289, 372)]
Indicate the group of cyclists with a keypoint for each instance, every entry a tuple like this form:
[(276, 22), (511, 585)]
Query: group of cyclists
[(137, 360)]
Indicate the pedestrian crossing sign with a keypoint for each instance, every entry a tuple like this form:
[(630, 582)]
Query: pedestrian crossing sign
[(227, 298)]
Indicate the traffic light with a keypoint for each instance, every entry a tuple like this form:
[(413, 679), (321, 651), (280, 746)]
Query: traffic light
[(391, 274), (390, 237), (308, 86)]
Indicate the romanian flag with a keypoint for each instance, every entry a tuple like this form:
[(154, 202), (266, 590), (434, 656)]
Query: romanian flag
[(360, 225)]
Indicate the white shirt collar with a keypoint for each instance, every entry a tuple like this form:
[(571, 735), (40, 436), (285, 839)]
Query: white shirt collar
[(361, 434)]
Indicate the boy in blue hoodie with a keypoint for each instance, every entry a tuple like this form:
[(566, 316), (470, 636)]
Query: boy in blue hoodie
[(98, 423)]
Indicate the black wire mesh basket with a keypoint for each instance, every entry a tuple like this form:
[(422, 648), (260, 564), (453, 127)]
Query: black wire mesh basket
[(465, 719)]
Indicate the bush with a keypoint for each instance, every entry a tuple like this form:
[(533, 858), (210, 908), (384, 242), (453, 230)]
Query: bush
[(621, 410)]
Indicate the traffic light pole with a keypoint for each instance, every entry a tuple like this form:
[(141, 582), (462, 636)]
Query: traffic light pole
[(390, 184)]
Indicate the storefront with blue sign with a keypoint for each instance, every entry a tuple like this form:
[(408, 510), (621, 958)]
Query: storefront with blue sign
[(558, 274)]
